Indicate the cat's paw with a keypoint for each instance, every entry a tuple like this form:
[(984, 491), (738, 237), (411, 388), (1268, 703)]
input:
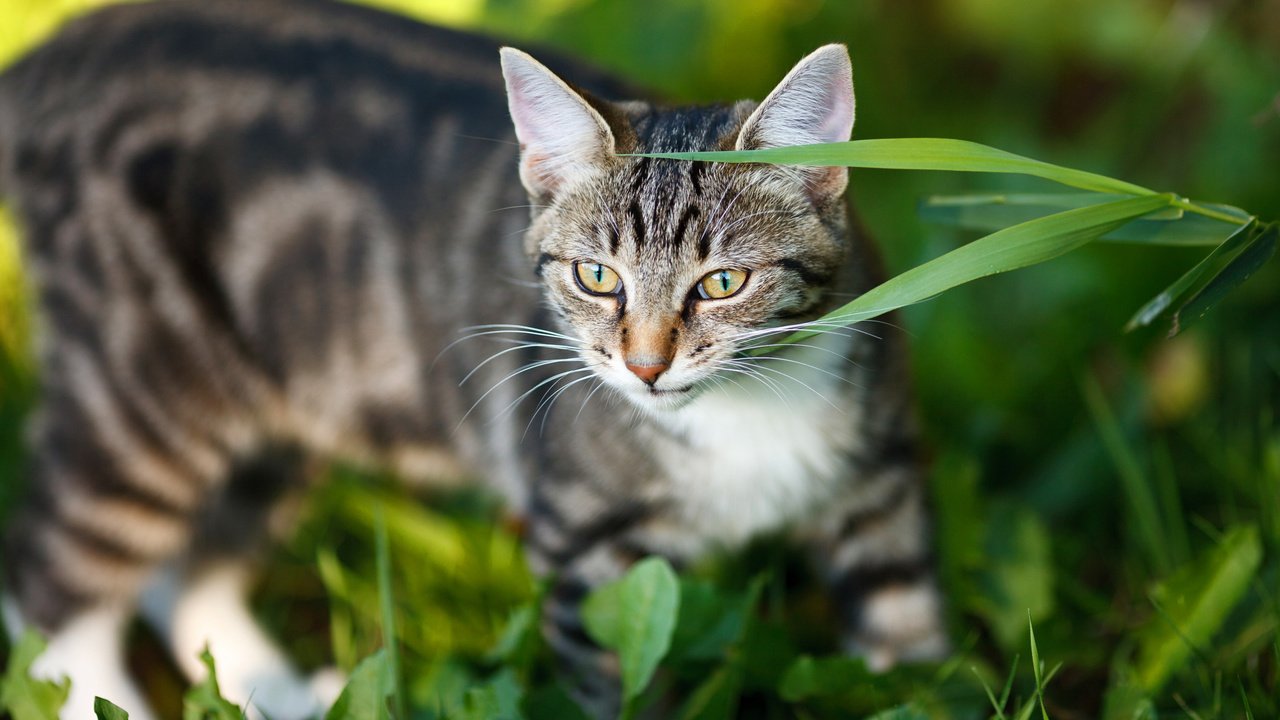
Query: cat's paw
[(327, 684), (289, 695), (900, 624)]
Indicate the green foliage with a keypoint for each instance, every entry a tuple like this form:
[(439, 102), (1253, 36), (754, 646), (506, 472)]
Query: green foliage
[(1192, 605), (368, 690), (24, 697), (204, 700), (1114, 205), (636, 617), (106, 710)]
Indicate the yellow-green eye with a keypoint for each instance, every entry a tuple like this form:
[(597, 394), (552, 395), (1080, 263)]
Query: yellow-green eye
[(597, 279), (721, 284)]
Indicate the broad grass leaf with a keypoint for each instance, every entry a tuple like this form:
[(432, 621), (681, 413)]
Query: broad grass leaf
[(1173, 226), (1158, 304), (204, 700), (1192, 605), (636, 616), (365, 696), (24, 697), (104, 709), (918, 154), (1030, 243), (1237, 270)]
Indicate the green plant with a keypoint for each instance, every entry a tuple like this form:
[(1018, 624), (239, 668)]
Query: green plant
[(1110, 207)]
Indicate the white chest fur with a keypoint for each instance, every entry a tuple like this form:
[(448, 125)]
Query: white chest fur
[(759, 455)]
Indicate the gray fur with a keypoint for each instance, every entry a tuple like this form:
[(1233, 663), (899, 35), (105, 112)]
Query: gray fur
[(258, 230)]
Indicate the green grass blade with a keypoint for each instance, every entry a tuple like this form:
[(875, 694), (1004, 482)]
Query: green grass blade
[(990, 212), (1037, 668), (1019, 246), (1239, 269), (1143, 508), (387, 604), (917, 154), (1194, 603), (1157, 305)]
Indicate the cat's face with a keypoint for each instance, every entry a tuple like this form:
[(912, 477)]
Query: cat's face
[(663, 270)]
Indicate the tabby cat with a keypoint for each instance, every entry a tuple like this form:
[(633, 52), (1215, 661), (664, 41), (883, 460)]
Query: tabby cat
[(266, 234)]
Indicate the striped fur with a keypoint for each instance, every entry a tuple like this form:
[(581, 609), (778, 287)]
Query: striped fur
[(271, 233)]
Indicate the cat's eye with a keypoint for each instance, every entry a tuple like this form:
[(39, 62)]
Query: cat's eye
[(721, 284), (597, 279)]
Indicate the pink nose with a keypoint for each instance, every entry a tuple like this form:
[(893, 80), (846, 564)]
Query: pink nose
[(649, 371)]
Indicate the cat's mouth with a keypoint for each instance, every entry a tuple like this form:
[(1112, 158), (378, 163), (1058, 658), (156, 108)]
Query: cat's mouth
[(655, 392)]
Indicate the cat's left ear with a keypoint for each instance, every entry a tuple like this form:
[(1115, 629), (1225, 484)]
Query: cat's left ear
[(562, 138), (813, 104)]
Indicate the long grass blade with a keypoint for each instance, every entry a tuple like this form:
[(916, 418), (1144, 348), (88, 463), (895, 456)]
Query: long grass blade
[(918, 154), (1237, 270), (1158, 304), (1027, 244), (990, 212)]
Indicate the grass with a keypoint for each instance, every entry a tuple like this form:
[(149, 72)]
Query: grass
[(1121, 491)]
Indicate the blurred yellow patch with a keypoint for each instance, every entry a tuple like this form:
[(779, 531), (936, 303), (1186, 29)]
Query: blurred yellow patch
[(25, 23), (1178, 376)]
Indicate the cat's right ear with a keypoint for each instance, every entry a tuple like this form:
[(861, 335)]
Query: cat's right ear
[(562, 138)]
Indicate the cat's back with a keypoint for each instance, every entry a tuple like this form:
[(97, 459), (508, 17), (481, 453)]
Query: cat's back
[(264, 84), (282, 41)]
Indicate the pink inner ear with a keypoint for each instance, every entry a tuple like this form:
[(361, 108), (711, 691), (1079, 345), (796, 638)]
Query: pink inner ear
[(562, 138), (838, 124)]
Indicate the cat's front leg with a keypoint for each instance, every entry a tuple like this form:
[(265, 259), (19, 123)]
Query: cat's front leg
[(876, 554), (581, 543)]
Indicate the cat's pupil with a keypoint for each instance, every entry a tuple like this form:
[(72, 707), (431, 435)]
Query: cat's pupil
[(599, 271), (724, 280)]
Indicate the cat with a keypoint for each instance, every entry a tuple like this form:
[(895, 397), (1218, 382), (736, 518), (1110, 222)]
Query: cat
[(267, 234)]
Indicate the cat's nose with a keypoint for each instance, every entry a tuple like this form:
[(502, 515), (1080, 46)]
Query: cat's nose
[(648, 369)]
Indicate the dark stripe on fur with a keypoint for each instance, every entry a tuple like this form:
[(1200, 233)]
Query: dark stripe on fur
[(637, 222)]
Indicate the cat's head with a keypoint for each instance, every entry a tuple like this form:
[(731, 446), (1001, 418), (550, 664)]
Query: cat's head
[(664, 269)]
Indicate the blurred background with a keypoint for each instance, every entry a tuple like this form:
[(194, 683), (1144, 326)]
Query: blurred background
[(1104, 483)]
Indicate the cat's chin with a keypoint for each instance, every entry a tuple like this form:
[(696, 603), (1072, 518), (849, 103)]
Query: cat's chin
[(662, 400)]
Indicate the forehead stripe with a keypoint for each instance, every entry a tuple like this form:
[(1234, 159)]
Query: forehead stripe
[(696, 170), (637, 222)]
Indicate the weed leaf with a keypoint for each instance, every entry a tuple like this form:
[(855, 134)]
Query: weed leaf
[(204, 700), (104, 709), (24, 697), (636, 616)]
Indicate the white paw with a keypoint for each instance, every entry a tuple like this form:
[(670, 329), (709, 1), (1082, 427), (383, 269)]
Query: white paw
[(327, 684)]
